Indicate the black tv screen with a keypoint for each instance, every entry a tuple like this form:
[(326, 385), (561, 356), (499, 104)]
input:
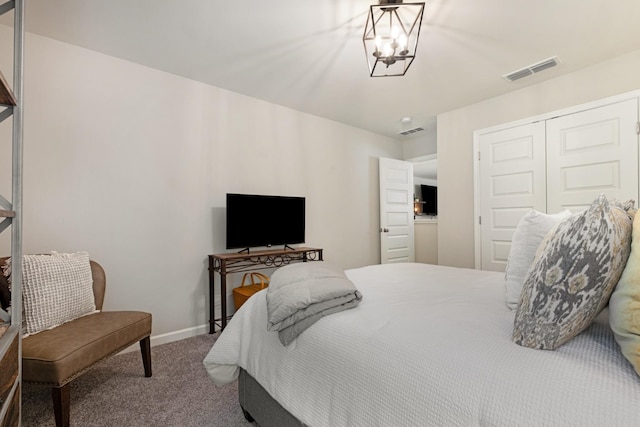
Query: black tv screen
[(430, 199), (256, 220)]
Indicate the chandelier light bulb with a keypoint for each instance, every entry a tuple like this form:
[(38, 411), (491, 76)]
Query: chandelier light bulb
[(378, 41), (395, 32), (388, 50), (402, 43)]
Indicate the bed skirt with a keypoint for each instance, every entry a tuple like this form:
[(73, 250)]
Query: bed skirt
[(258, 405)]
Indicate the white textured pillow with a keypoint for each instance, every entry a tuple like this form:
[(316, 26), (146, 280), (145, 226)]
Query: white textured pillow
[(531, 230), (56, 288)]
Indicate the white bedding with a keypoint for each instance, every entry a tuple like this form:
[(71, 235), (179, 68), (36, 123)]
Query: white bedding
[(429, 346)]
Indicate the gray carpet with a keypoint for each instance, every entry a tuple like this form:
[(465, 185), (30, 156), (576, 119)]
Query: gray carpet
[(115, 392)]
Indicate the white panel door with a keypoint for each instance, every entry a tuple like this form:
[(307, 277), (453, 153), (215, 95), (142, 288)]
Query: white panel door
[(396, 211), (512, 182), (592, 152)]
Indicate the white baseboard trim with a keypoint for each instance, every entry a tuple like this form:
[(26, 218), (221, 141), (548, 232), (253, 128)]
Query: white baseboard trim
[(171, 337)]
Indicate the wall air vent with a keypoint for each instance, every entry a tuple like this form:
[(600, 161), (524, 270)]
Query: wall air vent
[(411, 131), (531, 69)]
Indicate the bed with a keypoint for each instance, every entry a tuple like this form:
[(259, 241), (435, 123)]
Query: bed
[(427, 346)]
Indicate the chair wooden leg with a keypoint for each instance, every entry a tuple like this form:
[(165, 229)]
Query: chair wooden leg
[(145, 349), (61, 404)]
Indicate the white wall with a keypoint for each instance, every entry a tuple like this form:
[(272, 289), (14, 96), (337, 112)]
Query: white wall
[(455, 141), (133, 164), (417, 181), (423, 145)]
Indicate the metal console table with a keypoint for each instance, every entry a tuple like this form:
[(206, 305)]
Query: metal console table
[(226, 263)]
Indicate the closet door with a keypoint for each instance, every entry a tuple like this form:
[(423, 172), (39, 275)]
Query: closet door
[(592, 152), (512, 182)]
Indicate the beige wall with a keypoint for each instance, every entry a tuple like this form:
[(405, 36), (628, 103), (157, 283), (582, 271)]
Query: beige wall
[(455, 141), (423, 145), (426, 241), (133, 164)]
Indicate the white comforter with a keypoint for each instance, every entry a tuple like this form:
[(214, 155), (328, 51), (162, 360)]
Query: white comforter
[(429, 346)]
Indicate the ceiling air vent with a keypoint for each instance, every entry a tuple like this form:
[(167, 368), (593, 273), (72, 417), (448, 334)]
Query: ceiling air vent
[(531, 69), (410, 131)]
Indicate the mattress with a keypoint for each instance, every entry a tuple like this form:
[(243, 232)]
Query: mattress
[(429, 345)]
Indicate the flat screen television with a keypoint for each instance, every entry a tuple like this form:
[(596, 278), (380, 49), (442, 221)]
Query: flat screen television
[(430, 199), (256, 220)]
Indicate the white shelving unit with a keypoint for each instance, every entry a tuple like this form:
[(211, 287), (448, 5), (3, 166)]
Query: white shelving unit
[(11, 221)]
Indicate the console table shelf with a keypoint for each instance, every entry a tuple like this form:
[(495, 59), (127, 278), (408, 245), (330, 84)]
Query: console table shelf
[(240, 262)]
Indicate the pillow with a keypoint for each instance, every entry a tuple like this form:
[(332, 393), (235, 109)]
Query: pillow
[(530, 232), (573, 274), (56, 288), (624, 305)]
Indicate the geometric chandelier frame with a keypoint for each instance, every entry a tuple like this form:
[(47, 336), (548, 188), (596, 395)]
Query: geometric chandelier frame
[(391, 37)]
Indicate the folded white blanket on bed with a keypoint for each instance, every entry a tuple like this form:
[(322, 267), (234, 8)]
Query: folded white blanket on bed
[(301, 294)]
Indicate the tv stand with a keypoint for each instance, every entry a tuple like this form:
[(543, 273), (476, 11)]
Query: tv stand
[(238, 262), (248, 250)]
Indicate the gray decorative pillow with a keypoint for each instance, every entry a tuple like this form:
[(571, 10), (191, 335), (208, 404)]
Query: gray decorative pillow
[(56, 288), (573, 274)]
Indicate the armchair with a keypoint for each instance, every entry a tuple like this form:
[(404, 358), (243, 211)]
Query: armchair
[(57, 356)]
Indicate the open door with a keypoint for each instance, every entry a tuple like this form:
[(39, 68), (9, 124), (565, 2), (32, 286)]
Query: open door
[(396, 211)]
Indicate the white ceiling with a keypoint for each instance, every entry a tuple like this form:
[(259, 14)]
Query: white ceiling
[(308, 54)]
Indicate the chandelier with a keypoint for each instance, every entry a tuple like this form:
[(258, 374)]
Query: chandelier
[(391, 37)]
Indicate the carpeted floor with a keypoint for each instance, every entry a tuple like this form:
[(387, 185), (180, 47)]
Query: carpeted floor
[(116, 393)]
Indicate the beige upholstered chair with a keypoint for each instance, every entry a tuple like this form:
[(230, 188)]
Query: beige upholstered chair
[(57, 356)]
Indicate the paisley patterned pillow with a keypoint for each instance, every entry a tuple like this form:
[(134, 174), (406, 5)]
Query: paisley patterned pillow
[(575, 270)]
